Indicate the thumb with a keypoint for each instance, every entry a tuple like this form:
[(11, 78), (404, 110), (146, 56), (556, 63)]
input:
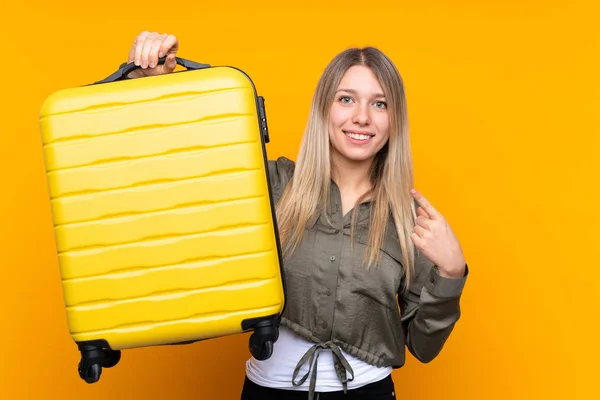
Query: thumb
[(170, 64)]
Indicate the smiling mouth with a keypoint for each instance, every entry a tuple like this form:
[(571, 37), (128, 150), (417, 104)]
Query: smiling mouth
[(358, 136)]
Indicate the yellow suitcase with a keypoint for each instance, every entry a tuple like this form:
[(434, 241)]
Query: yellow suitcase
[(163, 216)]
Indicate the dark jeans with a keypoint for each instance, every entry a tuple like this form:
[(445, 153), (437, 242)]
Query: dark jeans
[(382, 390)]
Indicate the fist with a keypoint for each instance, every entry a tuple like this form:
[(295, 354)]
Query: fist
[(436, 241), (147, 48)]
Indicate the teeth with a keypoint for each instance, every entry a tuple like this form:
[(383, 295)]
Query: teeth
[(358, 137)]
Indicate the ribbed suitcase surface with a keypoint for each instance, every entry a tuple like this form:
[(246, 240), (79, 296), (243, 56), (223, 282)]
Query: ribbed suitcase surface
[(161, 207)]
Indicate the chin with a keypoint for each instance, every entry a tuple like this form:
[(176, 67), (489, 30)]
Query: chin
[(357, 156)]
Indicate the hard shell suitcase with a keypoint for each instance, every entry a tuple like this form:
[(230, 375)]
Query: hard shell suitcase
[(162, 210)]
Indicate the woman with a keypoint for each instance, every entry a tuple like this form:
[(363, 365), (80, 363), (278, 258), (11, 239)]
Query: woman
[(354, 235)]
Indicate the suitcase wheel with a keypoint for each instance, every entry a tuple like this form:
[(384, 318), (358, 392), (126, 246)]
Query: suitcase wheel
[(91, 374), (261, 341), (110, 358), (93, 359), (263, 352)]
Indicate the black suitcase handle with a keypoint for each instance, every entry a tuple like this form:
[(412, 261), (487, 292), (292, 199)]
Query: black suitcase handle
[(126, 68)]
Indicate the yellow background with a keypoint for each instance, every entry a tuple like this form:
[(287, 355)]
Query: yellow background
[(503, 100)]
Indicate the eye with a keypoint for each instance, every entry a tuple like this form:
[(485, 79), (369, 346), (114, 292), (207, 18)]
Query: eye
[(381, 104), (345, 99)]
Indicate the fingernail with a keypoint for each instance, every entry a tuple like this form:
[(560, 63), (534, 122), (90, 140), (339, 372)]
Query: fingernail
[(152, 64), (413, 191), (160, 54), (137, 62)]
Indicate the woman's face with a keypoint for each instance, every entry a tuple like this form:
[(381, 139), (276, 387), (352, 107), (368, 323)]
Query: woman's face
[(358, 120)]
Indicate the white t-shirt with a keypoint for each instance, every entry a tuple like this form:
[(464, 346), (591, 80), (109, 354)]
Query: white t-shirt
[(278, 370)]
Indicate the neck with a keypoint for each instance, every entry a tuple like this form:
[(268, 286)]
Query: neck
[(351, 176)]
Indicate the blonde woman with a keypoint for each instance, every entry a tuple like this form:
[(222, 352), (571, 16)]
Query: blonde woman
[(371, 266)]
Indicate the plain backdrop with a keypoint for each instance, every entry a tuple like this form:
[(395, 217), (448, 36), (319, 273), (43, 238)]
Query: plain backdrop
[(503, 101)]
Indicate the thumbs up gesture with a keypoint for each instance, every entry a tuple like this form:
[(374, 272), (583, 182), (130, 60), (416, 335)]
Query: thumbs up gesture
[(436, 241)]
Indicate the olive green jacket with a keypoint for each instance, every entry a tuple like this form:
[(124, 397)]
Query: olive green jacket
[(335, 303)]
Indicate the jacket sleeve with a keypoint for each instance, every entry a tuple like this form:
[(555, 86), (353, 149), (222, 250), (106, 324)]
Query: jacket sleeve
[(279, 172), (429, 308)]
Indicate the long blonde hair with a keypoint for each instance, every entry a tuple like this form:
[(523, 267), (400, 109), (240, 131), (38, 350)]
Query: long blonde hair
[(392, 173)]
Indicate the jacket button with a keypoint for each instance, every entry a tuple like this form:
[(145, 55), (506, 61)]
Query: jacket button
[(324, 324), (327, 292), (332, 258)]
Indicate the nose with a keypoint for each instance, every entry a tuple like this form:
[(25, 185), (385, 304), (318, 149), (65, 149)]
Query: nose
[(361, 115)]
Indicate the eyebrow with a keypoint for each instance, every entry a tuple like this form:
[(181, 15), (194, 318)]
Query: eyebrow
[(355, 92)]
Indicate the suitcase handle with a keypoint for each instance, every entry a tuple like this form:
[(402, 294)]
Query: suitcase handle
[(126, 68)]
